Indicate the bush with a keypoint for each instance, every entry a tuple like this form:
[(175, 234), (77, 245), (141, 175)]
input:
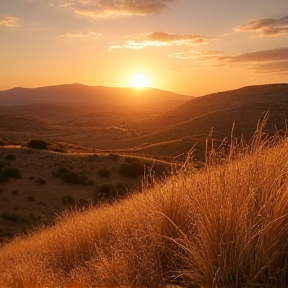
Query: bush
[(10, 157), (11, 172), (40, 181), (70, 176), (106, 191), (13, 217), (103, 172), (132, 168), (68, 200), (38, 144)]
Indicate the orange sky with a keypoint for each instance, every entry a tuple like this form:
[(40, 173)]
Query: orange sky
[(186, 46)]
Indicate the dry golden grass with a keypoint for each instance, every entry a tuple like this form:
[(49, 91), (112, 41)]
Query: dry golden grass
[(225, 226)]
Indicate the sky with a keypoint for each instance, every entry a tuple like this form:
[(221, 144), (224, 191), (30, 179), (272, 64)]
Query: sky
[(192, 47)]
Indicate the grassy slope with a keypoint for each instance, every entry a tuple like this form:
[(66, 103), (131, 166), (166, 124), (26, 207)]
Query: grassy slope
[(223, 227)]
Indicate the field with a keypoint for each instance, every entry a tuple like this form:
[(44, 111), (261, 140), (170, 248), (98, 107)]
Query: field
[(223, 226)]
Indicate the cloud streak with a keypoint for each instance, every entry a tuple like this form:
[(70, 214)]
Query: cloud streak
[(272, 61), (266, 27), (81, 35), (8, 21), (106, 8), (158, 39)]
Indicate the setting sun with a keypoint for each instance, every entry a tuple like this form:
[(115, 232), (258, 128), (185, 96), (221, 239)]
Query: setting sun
[(139, 81)]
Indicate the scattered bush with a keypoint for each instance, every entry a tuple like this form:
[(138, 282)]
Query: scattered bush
[(70, 176), (38, 144), (40, 181), (103, 172), (132, 168), (14, 192), (106, 191), (10, 157), (13, 217), (9, 172), (68, 200), (31, 198)]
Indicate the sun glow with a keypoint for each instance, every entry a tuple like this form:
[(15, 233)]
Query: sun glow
[(139, 81)]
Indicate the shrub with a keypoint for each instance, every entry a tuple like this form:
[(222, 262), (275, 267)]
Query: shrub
[(31, 198), (14, 192), (103, 172), (70, 176), (13, 217), (10, 157), (11, 172), (40, 181), (68, 200), (38, 144), (132, 168), (106, 191)]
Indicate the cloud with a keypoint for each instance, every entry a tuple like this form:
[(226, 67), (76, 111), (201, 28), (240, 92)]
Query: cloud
[(163, 37), (81, 35), (157, 39), (106, 8), (272, 61), (198, 56), (278, 54), (266, 27), (8, 21)]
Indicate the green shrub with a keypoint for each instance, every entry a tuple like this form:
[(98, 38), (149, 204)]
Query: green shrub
[(38, 144), (103, 172)]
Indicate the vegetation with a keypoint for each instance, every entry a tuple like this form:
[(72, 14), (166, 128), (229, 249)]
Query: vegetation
[(7, 171), (223, 226), (38, 144), (103, 172), (70, 176)]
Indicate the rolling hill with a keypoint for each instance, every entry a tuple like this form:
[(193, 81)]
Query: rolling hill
[(160, 130), (98, 95)]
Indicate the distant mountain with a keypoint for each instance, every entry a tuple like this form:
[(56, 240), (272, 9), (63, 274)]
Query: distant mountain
[(82, 94)]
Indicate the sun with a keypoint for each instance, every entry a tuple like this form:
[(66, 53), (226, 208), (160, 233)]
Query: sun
[(139, 81)]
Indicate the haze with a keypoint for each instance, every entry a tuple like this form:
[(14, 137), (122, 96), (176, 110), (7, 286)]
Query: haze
[(185, 46)]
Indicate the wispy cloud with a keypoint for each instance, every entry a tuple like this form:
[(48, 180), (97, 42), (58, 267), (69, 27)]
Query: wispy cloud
[(106, 8), (81, 35), (273, 61), (198, 56), (263, 61), (157, 39), (266, 27), (8, 21), (278, 54)]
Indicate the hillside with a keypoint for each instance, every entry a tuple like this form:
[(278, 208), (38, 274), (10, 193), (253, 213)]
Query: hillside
[(225, 226), (143, 129), (82, 94)]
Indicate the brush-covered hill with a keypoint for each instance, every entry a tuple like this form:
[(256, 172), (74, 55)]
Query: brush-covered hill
[(225, 226), (156, 131), (180, 128)]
